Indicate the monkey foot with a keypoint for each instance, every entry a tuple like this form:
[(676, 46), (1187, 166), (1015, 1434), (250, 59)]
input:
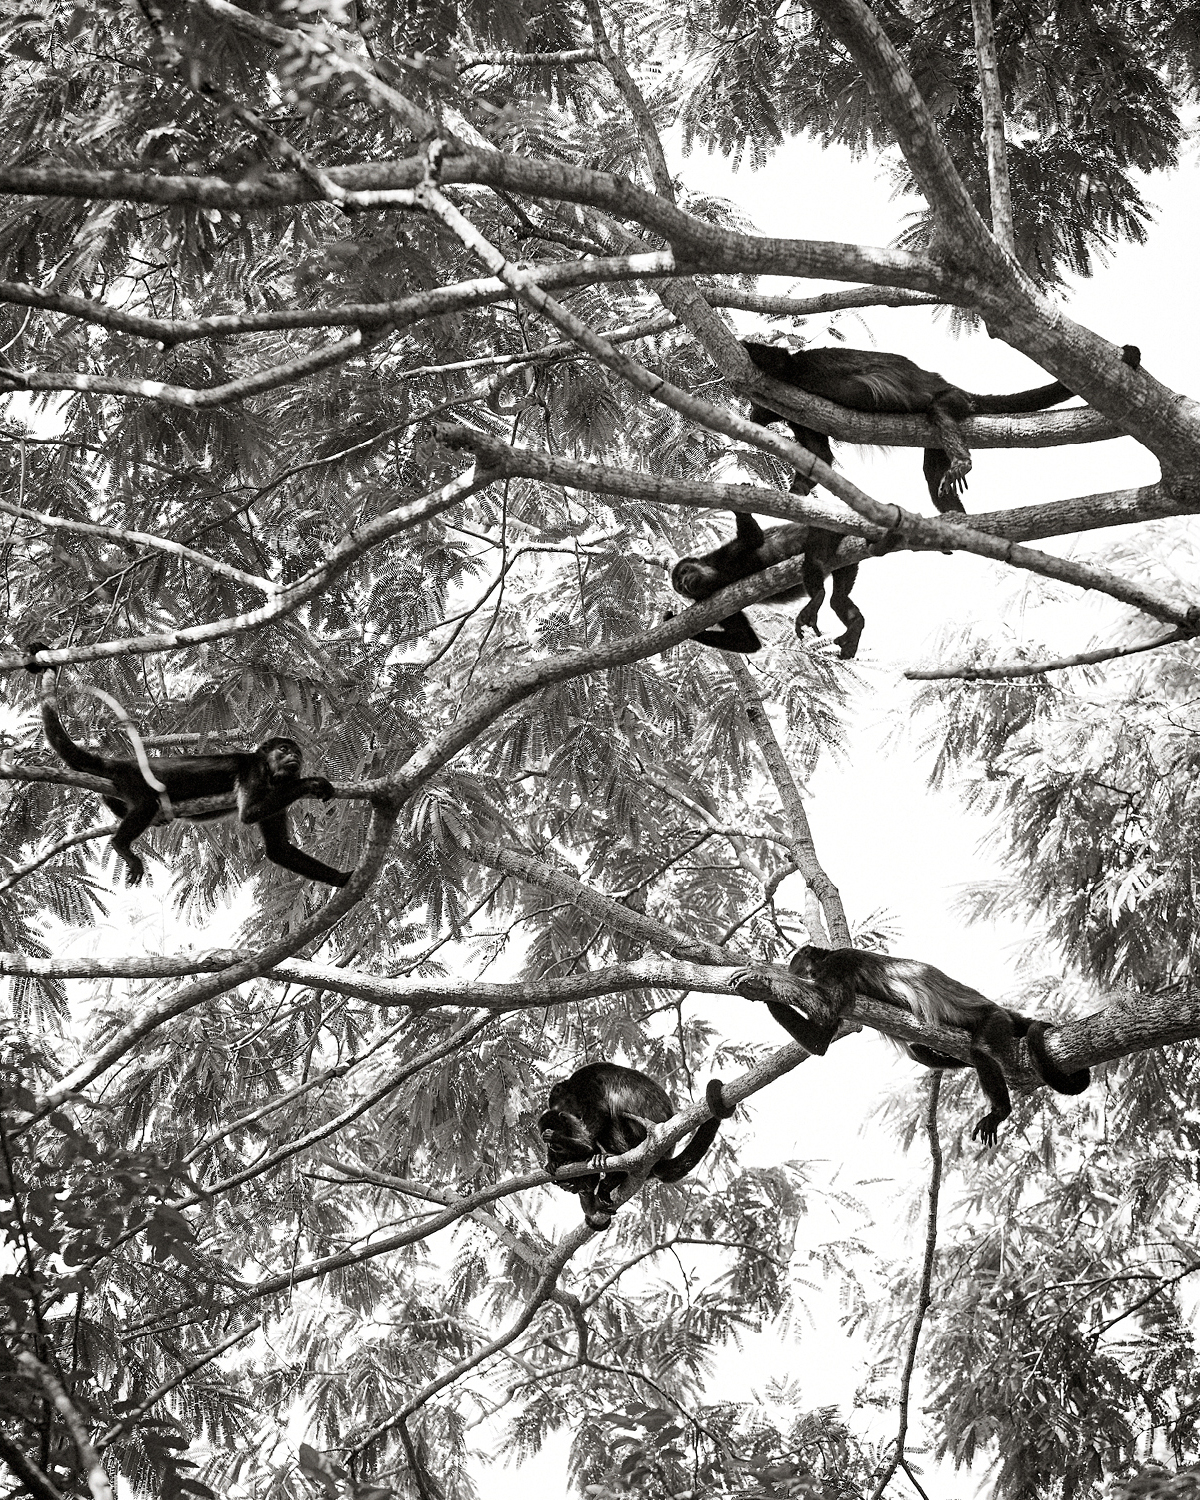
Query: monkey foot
[(954, 481)]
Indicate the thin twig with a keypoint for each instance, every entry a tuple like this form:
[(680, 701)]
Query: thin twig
[(156, 1395), (14, 877), (924, 1296), (1036, 668)]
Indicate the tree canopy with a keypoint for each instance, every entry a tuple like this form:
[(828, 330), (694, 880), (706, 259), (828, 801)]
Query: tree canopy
[(366, 369)]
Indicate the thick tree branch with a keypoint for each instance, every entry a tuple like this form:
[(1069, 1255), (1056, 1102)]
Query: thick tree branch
[(698, 246)]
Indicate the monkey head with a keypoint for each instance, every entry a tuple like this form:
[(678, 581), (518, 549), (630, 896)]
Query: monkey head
[(695, 579), (283, 758), (805, 962)]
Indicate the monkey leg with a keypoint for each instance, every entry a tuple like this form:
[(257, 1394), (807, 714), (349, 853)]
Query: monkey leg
[(818, 445), (993, 1033), (954, 462), (1050, 1073), (993, 1084), (133, 825), (820, 548), (847, 611)]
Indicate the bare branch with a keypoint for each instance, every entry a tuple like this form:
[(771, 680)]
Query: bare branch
[(97, 1480), (140, 539), (33, 1479), (563, 59), (804, 307), (14, 877), (801, 844), (346, 551), (993, 124), (1036, 668), (565, 886), (132, 1418), (192, 398), (698, 246), (400, 314), (924, 1294)]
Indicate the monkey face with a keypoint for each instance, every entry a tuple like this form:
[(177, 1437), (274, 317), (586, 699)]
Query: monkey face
[(694, 579), (283, 757), (805, 960), (566, 1137)]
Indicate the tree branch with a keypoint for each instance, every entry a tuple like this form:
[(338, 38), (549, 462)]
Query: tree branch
[(993, 125), (801, 844), (924, 1295)]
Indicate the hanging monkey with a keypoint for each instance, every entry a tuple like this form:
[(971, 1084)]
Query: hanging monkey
[(603, 1110)]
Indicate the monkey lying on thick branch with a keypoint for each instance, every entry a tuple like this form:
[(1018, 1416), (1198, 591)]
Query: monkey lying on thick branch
[(933, 997)]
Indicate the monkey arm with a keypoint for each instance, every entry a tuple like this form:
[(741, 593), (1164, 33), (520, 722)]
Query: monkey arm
[(733, 633), (261, 799), (281, 851)]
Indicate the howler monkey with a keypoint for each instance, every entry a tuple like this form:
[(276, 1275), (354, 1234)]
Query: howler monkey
[(867, 380), (751, 551), (267, 781), (938, 1000), (603, 1110)]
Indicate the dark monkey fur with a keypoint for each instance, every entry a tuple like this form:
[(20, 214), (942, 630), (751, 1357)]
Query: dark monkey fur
[(871, 381), (938, 1000), (602, 1110), (754, 549), (266, 780)]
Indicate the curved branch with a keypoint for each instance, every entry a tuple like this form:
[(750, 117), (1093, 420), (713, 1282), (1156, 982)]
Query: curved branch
[(141, 539)]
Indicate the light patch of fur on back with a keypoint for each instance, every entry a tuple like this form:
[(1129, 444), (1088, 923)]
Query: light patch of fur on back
[(905, 980), (889, 391), (933, 997)]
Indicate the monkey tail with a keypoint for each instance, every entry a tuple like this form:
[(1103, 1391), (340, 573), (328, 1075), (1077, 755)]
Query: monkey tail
[(1043, 395), (73, 755), (1035, 400), (1050, 1073), (679, 1166)]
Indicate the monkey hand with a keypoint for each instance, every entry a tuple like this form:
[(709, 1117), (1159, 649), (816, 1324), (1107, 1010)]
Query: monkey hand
[(986, 1129), (767, 983), (137, 870), (321, 786)]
